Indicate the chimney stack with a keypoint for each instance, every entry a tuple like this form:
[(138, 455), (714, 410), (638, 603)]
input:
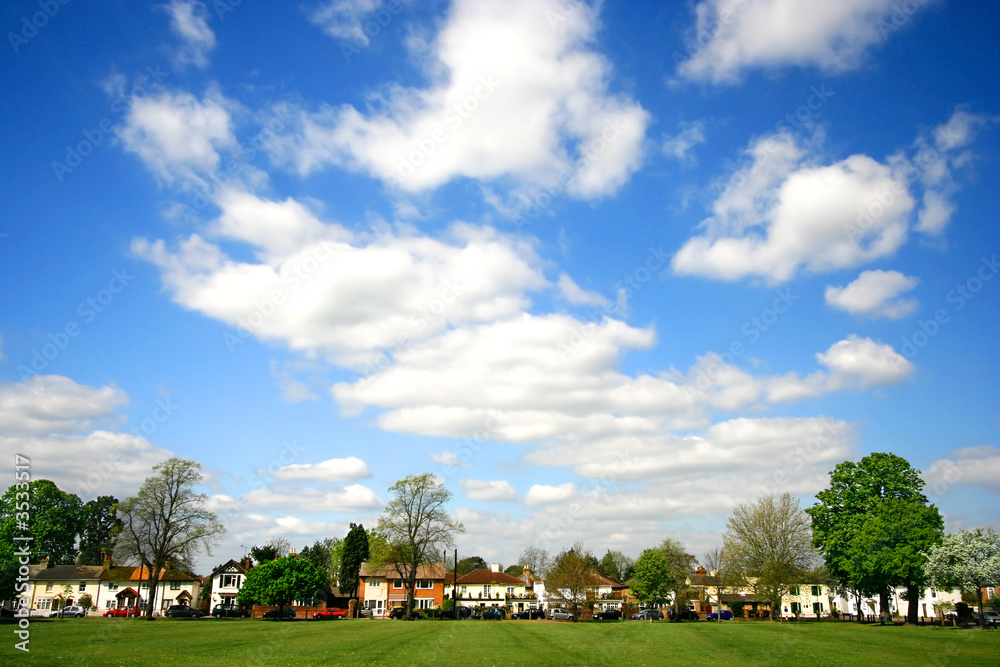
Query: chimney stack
[(495, 567)]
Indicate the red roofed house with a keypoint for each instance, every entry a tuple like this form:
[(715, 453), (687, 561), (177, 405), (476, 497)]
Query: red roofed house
[(381, 589), (493, 588)]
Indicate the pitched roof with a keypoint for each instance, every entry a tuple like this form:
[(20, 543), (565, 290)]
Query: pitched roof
[(231, 565), (486, 576), (69, 572), (601, 580), (133, 573), (424, 571)]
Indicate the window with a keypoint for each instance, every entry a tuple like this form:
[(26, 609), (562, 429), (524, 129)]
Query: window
[(144, 584), (83, 586), (110, 604), (175, 585), (374, 582), (397, 584), (48, 586), (43, 603), (793, 590), (486, 590), (816, 591), (465, 589), (424, 603), (510, 591), (933, 593), (230, 581), (817, 608), (228, 599), (112, 586), (796, 608), (425, 584)]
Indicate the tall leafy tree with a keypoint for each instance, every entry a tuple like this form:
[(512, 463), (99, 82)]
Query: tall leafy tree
[(417, 526), (873, 524), (321, 555), (55, 519), (616, 566), (467, 565), (280, 582), (652, 580), (100, 523), (969, 559), (770, 542), (514, 570), (571, 577), (354, 553), (276, 547), (167, 519)]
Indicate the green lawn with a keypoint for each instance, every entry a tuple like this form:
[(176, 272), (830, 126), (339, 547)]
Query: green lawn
[(217, 643)]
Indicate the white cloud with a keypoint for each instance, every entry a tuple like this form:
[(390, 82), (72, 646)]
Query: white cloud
[(680, 145), (448, 459), (307, 500), (545, 494), (737, 35), (46, 404), (188, 21), (497, 490), (863, 363), (332, 470), (177, 135), (343, 19), (576, 294), (971, 466), (511, 95), (875, 293), (784, 212)]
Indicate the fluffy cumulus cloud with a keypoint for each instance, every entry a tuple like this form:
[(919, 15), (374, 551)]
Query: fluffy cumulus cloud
[(971, 466), (332, 470), (515, 92), (784, 212), (188, 20), (344, 19), (495, 490), (545, 494), (361, 299), (876, 294), (733, 36), (73, 436), (299, 499)]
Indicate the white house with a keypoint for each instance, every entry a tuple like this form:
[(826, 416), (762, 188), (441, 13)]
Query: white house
[(493, 588), (227, 579)]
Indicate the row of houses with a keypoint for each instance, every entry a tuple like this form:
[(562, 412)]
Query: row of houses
[(382, 589)]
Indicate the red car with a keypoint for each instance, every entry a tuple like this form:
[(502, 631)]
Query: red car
[(122, 612), (331, 612)]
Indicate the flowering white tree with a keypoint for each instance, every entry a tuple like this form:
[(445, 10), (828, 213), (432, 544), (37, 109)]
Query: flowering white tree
[(969, 559)]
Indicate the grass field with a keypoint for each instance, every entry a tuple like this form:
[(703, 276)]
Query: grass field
[(236, 642)]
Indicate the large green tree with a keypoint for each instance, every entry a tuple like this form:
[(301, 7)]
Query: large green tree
[(280, 582), (652, 580), (354, 553), (467, 565), (100, 523), (325, 555), (417, 526), (770, 542), (616, 566), (54, 520), (969, 559), (571, 577), (167, 519), (873, 524)]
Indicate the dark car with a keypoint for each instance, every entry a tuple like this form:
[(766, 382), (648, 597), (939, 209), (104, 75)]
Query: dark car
[(399, 613), (714, 616), (608, 615), (528, 614), (991, 619), (463, 612), (494, 614), (683, 614), (286, 612), (181, 611), (229, 611), (648, 615)]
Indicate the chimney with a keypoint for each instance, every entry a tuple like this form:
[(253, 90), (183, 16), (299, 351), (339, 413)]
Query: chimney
[(107, 562), (45, 563), (246, 564), (495, 567)]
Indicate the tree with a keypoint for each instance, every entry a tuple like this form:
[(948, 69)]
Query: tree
[(652, 580), (616, 566), (770, 542), (86, 601), (325, 556), (416, 526), (467, 565), (514, 570), (679, 565), (721, 570), (99, 525), (536, 559), (571, 577), (280, 582), (276, 547), (55, 519), (969, 559), (167, 520), (355, 552), (850, 519)]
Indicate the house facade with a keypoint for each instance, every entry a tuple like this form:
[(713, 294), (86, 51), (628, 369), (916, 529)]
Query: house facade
[(227, 579), (381, 588), (493, 588)]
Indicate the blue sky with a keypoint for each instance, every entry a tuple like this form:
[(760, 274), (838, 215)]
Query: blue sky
[(607, 269)]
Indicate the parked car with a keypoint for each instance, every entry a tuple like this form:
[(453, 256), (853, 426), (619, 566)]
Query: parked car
[(181, 611), (72, 611), (463, 612), (399, 613), (683, 614), (560, 615), (714, 616), (286, 612), (494, 614), (122, 612), (648, 615), (528, 614), (331, 613), (229, 611), (991, 619), (608, 615)]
